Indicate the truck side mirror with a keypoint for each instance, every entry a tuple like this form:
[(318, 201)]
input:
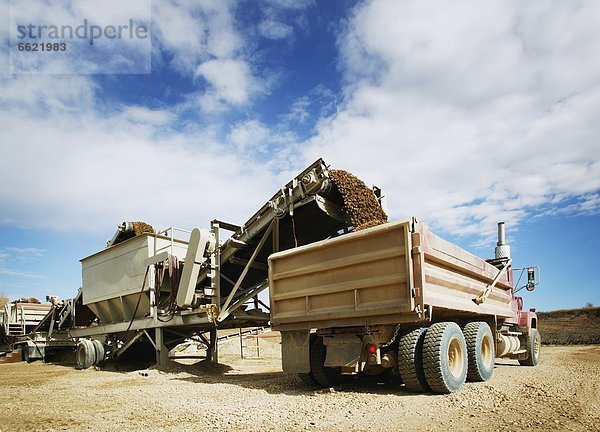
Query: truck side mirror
[(530, 279)]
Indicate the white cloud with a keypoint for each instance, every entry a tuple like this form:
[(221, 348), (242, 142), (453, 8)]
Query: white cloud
[(13, 257), (468, 114), (44, 94), (23, 253), (74, 167), (299, 110), (586, 205), (18, 273), (255, 139), (250, 135), (143, 115), (230, 80), (183, 29), (196, 31), (465, 115), (272, 29), (290, 4)]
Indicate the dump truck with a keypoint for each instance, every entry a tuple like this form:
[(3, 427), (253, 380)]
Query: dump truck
[(396, 299)]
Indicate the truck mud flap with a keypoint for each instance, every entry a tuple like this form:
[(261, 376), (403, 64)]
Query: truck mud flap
[(343, 351), (295, 351)]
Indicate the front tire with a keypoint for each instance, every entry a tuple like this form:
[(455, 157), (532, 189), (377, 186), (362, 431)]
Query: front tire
[(445, 357), (480, 350), (534, 348)]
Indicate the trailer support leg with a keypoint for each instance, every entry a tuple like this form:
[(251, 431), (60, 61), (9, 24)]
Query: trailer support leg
[(162, 352), (213, 347)]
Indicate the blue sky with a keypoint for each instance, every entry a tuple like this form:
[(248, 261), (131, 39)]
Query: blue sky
[(464, 115)]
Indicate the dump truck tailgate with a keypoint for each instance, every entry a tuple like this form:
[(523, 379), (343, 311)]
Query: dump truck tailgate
[(356, 279)]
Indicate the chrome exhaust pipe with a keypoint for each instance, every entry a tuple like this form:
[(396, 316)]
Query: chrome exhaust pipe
[(502, 250)]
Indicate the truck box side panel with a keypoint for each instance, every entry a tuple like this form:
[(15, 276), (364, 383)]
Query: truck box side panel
[(454, 277), (363, 277)]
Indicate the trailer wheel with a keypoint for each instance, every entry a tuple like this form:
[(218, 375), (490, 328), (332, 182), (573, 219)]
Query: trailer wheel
[(534, 348), (86, 354), (410, 360), (324, 376), (98, 351), (480, 350), (445, 357)]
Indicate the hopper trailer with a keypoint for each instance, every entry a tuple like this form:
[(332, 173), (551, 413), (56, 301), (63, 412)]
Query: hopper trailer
[(397, 299)]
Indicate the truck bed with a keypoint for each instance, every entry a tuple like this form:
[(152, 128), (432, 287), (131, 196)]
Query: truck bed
[(397, 272)]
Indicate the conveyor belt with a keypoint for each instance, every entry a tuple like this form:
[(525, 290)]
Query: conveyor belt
[(309, 208)]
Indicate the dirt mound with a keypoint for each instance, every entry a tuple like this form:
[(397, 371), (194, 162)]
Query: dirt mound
[(359, 201), (572, 326)]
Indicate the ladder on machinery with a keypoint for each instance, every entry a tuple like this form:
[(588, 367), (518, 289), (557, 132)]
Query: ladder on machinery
[(15, 329), (251, 335)]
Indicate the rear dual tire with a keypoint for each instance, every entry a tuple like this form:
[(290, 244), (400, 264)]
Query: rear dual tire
[(410, 362), (445, 357)]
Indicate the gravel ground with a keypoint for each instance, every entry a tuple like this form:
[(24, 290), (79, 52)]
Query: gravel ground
[(561, 393)]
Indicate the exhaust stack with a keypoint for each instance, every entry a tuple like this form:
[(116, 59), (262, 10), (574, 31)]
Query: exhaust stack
[(502, 248)]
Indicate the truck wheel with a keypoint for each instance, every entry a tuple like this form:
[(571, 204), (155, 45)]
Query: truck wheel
[(324, 376), (410, 360), (534, 348), (86, 354), (480, 351), (445, 357), (309, 378)]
